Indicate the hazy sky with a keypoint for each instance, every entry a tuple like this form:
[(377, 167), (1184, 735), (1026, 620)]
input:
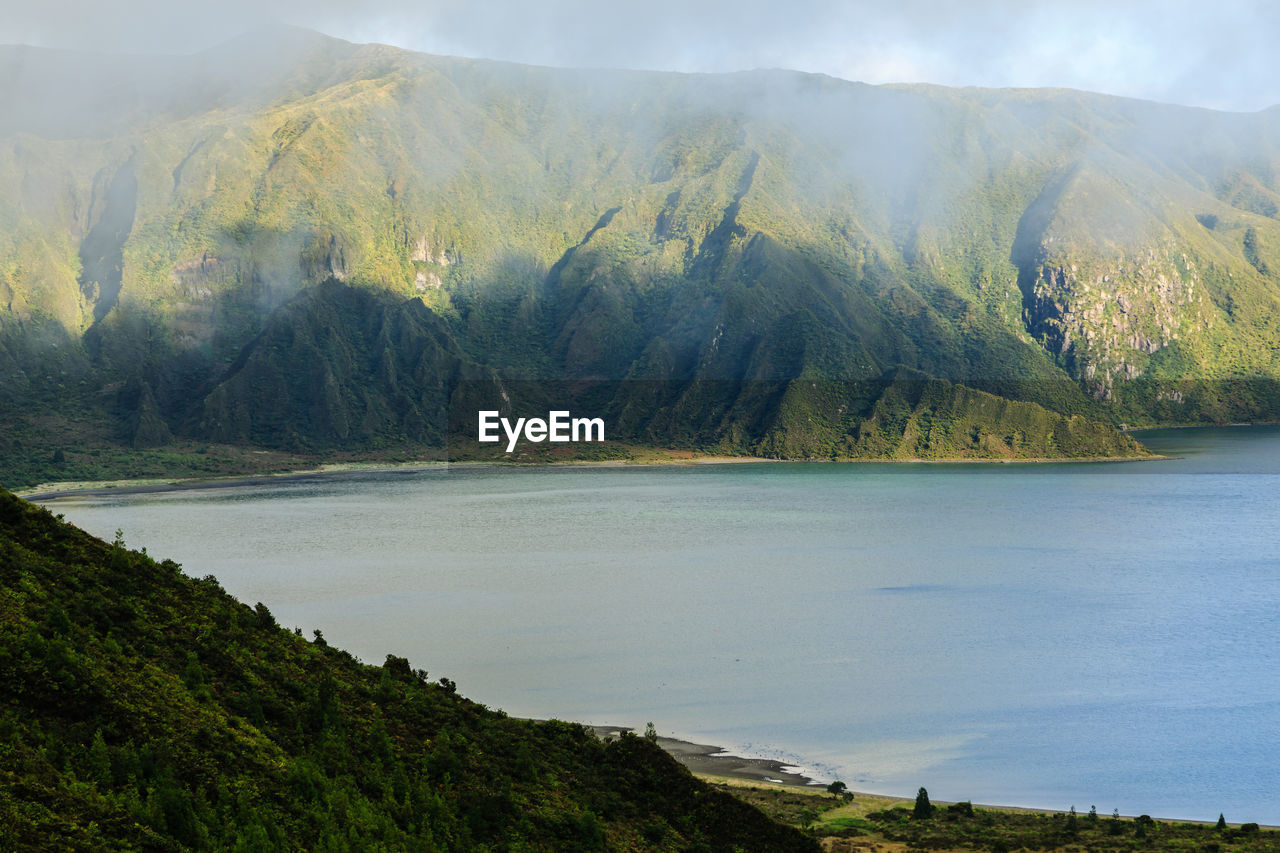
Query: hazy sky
[(1221, 53)]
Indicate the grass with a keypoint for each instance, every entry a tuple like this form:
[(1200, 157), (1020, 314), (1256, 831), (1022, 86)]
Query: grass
[(871, 822)]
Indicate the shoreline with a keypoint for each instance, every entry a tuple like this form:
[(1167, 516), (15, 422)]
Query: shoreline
[(96, 488), (56, 490), (706, 760), (638, 457), (716, 764)]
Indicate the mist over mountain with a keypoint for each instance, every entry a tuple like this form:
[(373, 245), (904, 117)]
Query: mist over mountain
[(295, 242)]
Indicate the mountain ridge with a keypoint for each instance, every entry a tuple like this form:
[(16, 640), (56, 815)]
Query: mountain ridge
[(608, 226)]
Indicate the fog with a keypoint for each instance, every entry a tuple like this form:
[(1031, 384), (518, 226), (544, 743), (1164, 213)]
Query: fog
[(1217, 55), (175, 91)]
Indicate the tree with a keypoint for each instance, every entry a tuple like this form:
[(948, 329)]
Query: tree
[(1222, 822), (923, 809), (1251, 253), (100, 761), (837, 788), (650, 733), (266, 621)]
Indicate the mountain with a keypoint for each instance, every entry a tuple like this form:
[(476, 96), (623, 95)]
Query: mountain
[(141, 709), (298, 243)]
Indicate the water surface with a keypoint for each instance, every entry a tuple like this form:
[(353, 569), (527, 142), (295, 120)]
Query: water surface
[(1043, 635)]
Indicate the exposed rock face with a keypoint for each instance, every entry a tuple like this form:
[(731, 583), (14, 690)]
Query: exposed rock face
[(196, 278), (1104, 323), (423, 253), (423, 280)]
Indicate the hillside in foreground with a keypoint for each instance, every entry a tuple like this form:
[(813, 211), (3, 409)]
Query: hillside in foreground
[(144, 710)]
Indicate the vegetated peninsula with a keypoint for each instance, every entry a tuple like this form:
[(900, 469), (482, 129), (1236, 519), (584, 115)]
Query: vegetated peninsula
[(141, 709), (298, 246)]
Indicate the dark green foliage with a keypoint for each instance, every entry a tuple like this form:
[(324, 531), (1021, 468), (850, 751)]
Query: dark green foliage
[(923, 809), (1251, 253), (263, 618), (141, 709), (336, 367), (983, 829)]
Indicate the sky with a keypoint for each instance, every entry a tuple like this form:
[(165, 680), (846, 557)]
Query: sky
[(1220, 54)]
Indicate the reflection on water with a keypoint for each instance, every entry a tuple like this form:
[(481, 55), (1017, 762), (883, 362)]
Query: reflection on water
[(1087, 634)]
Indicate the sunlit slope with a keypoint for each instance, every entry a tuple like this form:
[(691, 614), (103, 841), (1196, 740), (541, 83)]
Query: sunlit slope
[(1092, 255)]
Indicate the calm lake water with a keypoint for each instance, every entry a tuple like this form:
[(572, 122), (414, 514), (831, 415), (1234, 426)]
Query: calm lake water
[(1048, 635)]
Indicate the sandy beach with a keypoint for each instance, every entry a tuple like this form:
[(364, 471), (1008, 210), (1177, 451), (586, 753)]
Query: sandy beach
[(706, 760)]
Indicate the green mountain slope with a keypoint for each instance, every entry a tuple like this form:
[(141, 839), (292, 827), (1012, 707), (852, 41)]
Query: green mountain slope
[(141, 709), (1095, 256)]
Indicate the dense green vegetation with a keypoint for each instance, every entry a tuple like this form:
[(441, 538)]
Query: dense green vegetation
[(848, 824), (144, 710), (961, 826), (299, 244)]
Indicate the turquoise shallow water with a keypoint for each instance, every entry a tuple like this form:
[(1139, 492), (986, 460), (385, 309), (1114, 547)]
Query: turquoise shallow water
[(1048, 635)]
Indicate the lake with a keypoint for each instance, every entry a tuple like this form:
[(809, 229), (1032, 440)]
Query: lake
[(1040, 635)]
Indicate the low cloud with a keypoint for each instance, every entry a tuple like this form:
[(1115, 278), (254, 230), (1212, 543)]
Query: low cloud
[(1218, 55)]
